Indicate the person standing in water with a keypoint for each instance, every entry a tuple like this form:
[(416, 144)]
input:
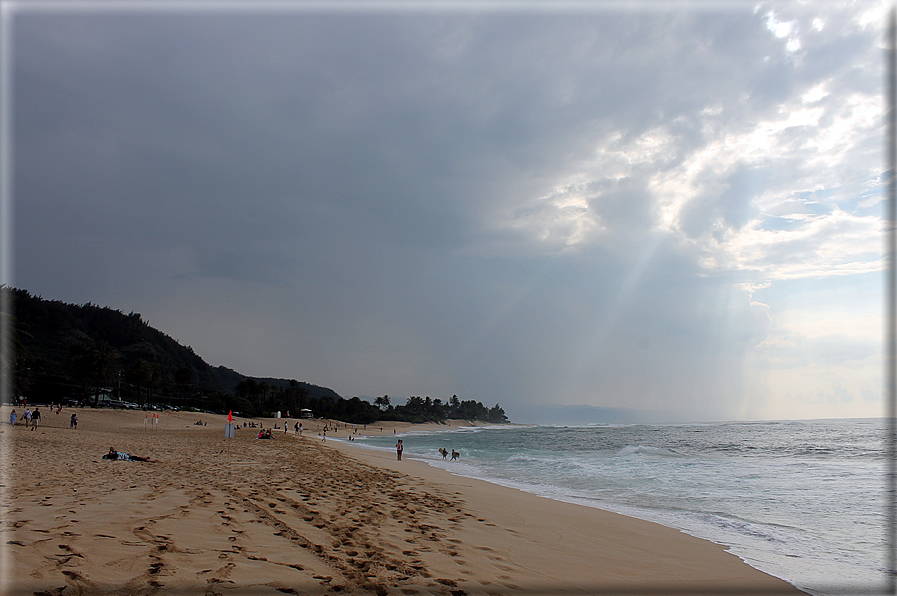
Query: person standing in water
[(399, 448)]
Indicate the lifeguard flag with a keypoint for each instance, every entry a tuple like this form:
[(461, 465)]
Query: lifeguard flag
[(230, 416)]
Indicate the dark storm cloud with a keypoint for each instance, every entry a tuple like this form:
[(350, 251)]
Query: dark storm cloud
[(412, 200)]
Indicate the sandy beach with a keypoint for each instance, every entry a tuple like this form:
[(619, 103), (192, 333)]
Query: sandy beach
[(297, 515)]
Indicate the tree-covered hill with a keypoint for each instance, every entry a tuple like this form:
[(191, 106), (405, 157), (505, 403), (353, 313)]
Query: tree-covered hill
[(58, 348), (57, 351)]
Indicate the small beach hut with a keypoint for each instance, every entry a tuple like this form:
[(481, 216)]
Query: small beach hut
[(305, 413)]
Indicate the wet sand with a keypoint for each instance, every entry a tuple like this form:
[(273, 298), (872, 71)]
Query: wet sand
[(302, 516)]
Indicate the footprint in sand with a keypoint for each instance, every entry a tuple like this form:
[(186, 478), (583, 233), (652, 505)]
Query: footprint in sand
[(69, 550), (52, 592)]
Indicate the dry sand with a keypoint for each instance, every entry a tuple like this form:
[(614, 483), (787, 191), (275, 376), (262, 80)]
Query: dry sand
[(300, 516)]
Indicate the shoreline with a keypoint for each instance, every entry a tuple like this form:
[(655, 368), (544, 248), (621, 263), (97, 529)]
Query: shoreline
[(307, 516), (466, 481)]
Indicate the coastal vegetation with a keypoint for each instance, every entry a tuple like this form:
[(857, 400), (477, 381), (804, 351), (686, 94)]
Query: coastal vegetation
[(96, 355)]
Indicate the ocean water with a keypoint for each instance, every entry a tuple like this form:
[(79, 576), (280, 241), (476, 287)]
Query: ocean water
[(800, 500)]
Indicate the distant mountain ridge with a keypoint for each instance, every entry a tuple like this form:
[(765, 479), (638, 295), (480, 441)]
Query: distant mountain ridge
[(49, 332), (97, 354)]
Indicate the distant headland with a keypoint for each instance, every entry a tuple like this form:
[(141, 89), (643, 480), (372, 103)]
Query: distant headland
[(96, 355)]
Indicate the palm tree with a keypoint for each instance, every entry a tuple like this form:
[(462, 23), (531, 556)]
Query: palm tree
[(16, 362), (249, 389), (79, 367), (263, 388), (140, 373), (10, 345), (297, 396), (155, 377), (455, 405), (183, 377), (103, 359)]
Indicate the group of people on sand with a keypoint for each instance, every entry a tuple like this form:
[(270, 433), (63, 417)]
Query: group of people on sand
[(265, 433), (32, 419)]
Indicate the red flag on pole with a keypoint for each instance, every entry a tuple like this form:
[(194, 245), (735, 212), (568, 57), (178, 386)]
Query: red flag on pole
[(230, 416)]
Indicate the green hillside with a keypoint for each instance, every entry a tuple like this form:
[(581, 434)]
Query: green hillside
[(58, 348), (57, 351)]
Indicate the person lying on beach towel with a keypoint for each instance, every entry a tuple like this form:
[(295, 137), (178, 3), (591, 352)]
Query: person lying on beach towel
[(118, 455)]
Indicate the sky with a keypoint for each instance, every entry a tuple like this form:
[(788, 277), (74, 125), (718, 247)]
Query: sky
[(669, 208)]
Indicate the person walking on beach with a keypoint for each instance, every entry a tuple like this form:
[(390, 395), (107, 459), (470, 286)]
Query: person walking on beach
[(73, 423), (399, 449), (27, 417), (12, 418), (455, 455), (35, 418)]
